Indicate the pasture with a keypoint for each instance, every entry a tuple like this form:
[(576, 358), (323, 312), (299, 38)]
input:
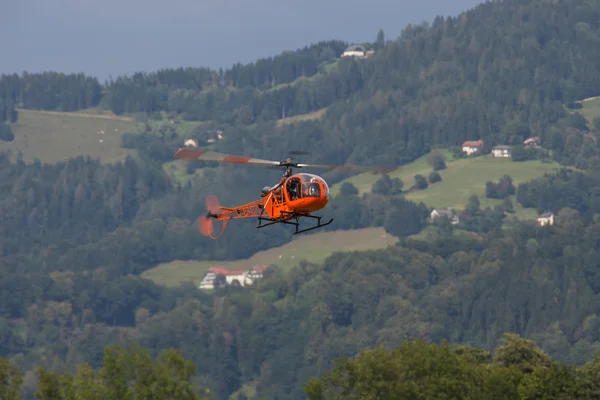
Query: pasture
[(314, 247), (57, 136), (461, 179), (591, 109)]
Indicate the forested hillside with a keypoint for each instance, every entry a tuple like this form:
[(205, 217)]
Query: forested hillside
[(76, 235)]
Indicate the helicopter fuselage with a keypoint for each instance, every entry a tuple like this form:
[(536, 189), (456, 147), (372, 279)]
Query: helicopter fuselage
[(299, 193)]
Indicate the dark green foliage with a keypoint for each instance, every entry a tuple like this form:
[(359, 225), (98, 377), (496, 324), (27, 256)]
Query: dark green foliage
[(436, 160), (404, 218), (388, 186), (6, 133), (519, 370), (420, 182), (520, 153), (380, 41), (434, 177), (500, 190), (47, 91), (566, 188), (348, 189)]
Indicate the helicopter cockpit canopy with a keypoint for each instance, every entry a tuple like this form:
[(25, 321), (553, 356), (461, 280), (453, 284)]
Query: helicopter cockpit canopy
[(310, 186)]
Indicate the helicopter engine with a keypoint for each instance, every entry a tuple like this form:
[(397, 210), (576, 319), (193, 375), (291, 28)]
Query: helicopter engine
[(264, 191)]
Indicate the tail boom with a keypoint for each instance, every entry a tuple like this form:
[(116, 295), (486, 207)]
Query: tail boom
[(253, 209)]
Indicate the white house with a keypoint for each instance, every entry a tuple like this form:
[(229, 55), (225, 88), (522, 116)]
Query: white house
[(532, 142), (501, 151), (209, 281), (444, 212), (546, 219), (256, 273), (471, 147), (234, 278), (190, 143), (354, 51)]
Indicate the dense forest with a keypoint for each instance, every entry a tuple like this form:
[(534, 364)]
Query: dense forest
[(76, 235), (518, 369)]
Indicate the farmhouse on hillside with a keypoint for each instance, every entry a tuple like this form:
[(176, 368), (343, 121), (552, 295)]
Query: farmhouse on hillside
[(501, 151), (190, 143), (471, 147), (219, 276), (546, 218), (444, 212), (532, 142), (357, 51)]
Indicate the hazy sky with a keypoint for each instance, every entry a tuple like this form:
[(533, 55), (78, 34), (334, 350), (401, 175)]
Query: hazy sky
[(113, 37)]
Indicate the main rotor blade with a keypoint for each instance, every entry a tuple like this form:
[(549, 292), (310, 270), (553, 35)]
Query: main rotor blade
[(351, 168), (194, 154)]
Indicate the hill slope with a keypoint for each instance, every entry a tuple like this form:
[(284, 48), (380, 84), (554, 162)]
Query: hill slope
[(76, 236), (313, 248), (461, 179), (57, 136)]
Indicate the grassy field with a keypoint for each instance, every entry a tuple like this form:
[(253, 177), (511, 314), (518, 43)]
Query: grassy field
[(461, 179), (364, 182), (57, 136), (591, 109), (325, 68), (302, 117), (310, 247), (176, 169), (248, 390)]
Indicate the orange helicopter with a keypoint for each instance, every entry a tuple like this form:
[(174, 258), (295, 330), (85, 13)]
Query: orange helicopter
[(293, 197)]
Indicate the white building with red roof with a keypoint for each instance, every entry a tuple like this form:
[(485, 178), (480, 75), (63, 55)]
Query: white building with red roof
[(217, 276), (472, 146)]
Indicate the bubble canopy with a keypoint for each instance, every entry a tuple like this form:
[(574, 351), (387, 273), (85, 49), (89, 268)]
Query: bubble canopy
[(311, 185)]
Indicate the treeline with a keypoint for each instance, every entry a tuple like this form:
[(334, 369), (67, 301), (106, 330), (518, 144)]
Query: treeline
[(284, 68), (244, 106), (517, 370), (47, 91), (125, 373), (163, 90), (566, 188)]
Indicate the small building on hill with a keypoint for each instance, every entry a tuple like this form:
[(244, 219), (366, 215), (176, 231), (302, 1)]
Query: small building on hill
[(532, 142), (501, 151), (357, 50), (219, 276), (472, 146), (438, 213), (546, 218), (190, 143)]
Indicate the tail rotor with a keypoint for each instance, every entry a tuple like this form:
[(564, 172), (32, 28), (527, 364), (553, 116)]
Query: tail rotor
[(205, 223)]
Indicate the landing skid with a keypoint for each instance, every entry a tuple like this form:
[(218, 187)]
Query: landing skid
[(272, 221)]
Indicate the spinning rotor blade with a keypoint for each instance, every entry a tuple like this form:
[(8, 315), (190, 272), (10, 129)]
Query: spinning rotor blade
[(205, 226), (194, 154), (350, 168), (212, 204)]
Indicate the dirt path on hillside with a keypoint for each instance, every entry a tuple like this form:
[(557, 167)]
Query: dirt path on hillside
[(590, 98)]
